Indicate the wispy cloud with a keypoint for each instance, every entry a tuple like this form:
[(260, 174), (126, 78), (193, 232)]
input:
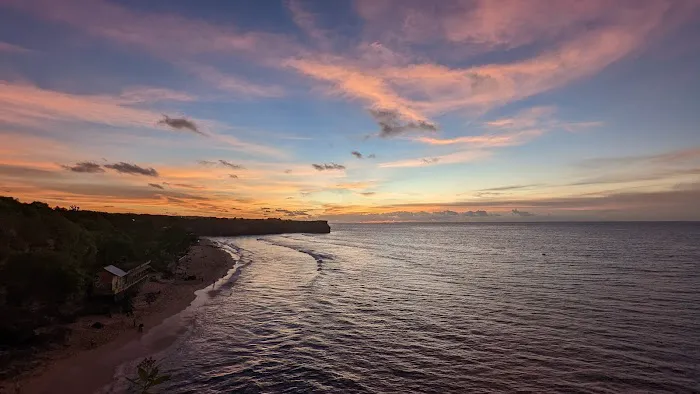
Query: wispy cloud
[(671, 157), (180, 124), (184, 185), (132, 169), (231, 165), (29, 105), (148, 94), (157, 186), (328, 166), (587, 38), (11, 48), (486, 141), (511, 187), (307, 22), (85, 167), (356, 154), (288, 212), (452, 158), (233, 84), (167, 35)]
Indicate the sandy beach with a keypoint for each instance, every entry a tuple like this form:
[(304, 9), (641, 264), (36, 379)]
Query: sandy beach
[(89, 358)]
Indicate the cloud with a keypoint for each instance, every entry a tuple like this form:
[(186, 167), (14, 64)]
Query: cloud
[(184, 185), (587, 38), (287, 171), (180, 124), (163, 34), (25, 172), (292, 213), (487, 141), (232, 83), (86, 167), (637, 176), (521, 213), (147, 94), (478, 214), (353, 82), (306, 21), (28, 105), (328, 166), (132, 169), (7, 48), (233, 176), (157, 186), (368, 194), (391, 124), (451, 158), (409, 216), (671, 157), (359, 155), (207, 163), (510, 187), (231, 165)]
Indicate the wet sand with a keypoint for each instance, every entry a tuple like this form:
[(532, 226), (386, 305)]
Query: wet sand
[(91, 356)]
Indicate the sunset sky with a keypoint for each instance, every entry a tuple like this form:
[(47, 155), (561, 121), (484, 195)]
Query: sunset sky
[(377, 110)]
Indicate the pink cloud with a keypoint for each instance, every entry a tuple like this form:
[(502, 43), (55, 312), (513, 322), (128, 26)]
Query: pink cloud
[(232, 83), (30, 105), (166, 34), (358, 84), (584, 38), (307, 22), (7, 47), (147, 94)]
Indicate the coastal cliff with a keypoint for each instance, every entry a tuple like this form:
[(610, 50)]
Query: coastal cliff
[(223, 227), (50, 257)]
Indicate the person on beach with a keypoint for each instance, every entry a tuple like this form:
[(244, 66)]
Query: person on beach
[(141, 327)]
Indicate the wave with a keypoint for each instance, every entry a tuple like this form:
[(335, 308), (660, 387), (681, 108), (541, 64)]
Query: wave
[(318, 256)]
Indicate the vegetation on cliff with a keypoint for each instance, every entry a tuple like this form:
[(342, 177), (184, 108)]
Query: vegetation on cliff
[(49, 258)]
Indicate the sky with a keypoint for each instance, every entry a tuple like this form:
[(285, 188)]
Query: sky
[(354, 111)]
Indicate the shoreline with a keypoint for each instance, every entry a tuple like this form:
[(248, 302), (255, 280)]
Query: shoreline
[(91, 357)]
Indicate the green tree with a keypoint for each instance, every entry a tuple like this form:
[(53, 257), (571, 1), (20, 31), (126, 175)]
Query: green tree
[(41, 277), (148, 376)]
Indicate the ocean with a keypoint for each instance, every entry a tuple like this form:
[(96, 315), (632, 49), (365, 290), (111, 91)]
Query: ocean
[(451, 308)]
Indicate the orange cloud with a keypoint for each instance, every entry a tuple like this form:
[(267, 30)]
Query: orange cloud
[(487, 141)]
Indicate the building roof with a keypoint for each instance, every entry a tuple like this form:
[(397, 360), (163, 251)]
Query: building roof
[(114, 270)]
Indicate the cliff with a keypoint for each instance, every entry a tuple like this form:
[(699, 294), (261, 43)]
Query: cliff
[(231, 227)]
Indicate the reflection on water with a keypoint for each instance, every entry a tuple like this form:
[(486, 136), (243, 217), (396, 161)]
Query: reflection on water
[(451, 308)]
